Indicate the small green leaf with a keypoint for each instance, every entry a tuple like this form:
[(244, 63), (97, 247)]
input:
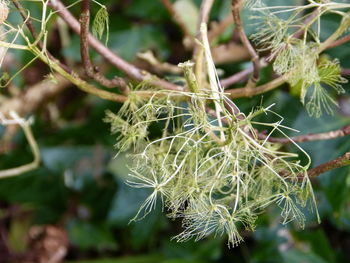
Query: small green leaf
[(101, 23), (190, 17)]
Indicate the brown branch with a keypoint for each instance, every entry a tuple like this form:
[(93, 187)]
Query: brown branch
[(129, 69), (28, 102), (340, 41), (236, 8), (238, 77), (84, 51), (331, 165), (28, 21), (310, 137), (345, 72), (242, 75), (158, 66), (250, 91)]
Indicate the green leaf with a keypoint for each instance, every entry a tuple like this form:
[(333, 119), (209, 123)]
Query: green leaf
[(319, 243), (190, 17), (87, 236), (296, 256), (101, 24)]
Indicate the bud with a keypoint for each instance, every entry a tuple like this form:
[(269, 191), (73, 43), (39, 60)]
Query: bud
[(4, 11)]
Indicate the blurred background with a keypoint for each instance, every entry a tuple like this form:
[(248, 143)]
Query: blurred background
[(77, 201)]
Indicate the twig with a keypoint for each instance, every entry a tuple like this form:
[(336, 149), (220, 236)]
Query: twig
[(29, 23), (334, 37), (132, 71), (310, 137), (331, 165), (340, 41), (33, 146), (236, 8), (242, 75), (157, 66), (249, 92), (345, 72), (84, 50)]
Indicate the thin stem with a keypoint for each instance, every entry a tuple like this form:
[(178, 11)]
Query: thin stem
[(344, 25), (84, 51), (33, 146), (310, 137), (236, 6), (249, 92), (331, 165), (339, 42), (37, 37), (242, 75)]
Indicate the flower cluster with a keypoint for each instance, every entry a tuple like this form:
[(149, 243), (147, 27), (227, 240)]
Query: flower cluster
[(208, 168), (295, 48)]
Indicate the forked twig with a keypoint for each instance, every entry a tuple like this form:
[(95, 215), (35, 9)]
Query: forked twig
[(84, 51)]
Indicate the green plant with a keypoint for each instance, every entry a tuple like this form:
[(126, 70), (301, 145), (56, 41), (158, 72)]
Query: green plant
[(212, 167), (210, 170)]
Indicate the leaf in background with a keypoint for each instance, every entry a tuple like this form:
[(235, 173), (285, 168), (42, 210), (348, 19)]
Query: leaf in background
[(127, 43), (208, 250), (146, 231), (297, 256), (87, 236), (188, 13), (318, 242), (125, 205)]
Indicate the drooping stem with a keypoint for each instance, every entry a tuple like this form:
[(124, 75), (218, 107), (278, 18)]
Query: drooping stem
[(33, 146), (84, 51)]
